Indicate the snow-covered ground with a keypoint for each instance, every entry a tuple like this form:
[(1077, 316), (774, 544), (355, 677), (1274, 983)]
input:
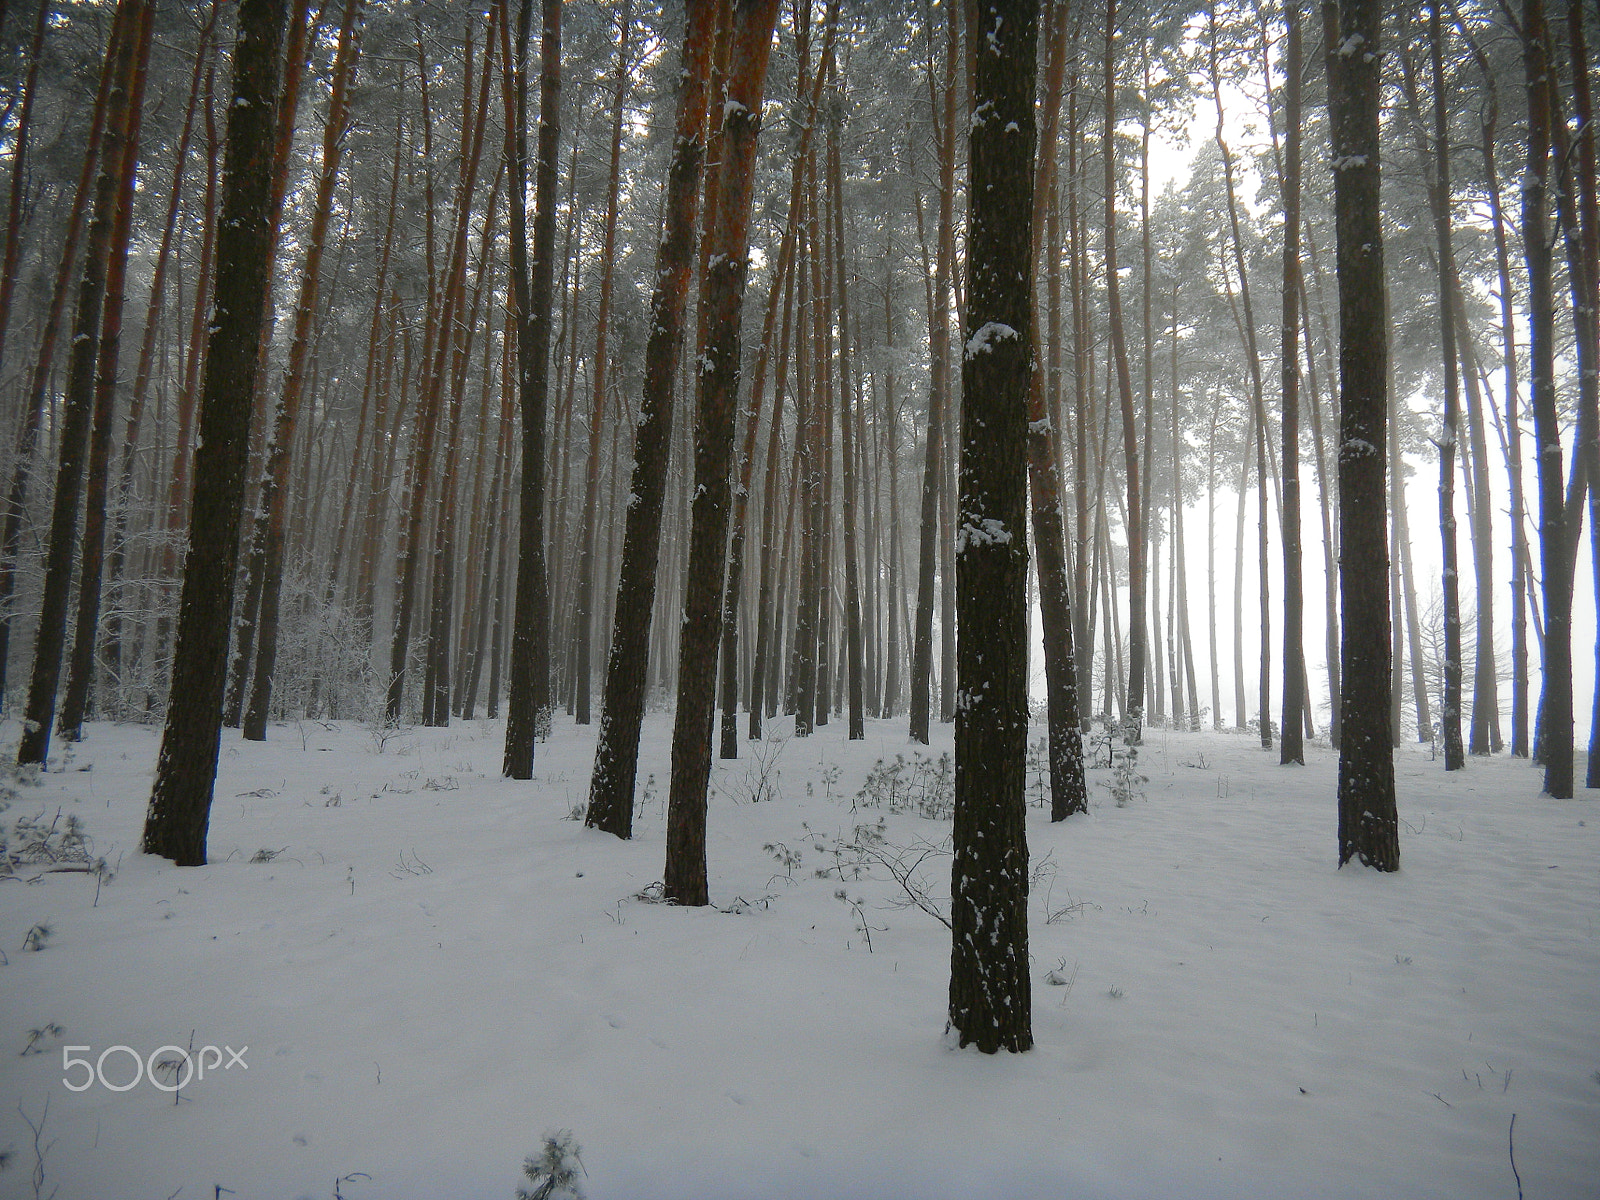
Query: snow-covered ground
[(430, 968)]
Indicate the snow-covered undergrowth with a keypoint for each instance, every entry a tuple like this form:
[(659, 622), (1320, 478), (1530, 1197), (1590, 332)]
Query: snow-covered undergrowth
[(428, 970)]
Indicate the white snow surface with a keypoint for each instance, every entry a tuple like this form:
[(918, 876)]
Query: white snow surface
[(438, 968)]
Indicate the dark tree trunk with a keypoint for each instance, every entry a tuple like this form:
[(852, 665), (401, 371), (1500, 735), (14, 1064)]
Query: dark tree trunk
[(685, 875), (180, 801), (1368, 820), (990, 991), (1589, 210), (78, 401), (1554, 741), (44, 363), (622, 708), (529, 675), (1292, 745), (1439, 197), (1068, 791), (75, 701)]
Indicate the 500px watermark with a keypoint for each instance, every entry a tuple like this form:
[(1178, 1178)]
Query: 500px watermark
[(168, 1068)]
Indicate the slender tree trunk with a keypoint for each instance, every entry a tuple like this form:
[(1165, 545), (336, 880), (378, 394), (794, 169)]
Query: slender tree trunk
[(1439, 196), (529, 674), (75, 701), (1589, 209), (152, 327), (1554, 746), (1068, 791), (848, 515), (938, 407), (1368, 821), (78, 405), (1292, 747), (273, 515), (1119, 352), (583, 616)]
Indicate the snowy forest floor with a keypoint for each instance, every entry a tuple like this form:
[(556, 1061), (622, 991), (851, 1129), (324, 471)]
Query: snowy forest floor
[(432, 968)]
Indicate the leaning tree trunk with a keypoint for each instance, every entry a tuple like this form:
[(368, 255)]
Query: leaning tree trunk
[(180, 802), (1368, 820), (616, 759)]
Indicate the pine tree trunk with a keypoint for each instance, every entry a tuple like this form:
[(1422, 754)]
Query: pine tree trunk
[(272, 517), (529, 673), (79, 398), (938, 406), (990, 989), (1068, 791), (115, 566), (1439, 196), (1368, 821), (180, 801), (611, 787), (1589, 395), (76, 698), (1119, 353), (1554, 743), (1292, 746), (583, 612), (32, 418), (684, 880)]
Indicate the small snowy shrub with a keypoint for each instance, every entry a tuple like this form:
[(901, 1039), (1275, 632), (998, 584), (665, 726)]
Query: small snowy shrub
[(31, 842), (1038, 772), (554, 1172), (1125, 784), (921, 785), (759, 782)]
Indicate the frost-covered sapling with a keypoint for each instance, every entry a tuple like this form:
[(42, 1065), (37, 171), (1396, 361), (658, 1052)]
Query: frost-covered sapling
[(59, 845), (556, 1171), (857, 906), (920, 785), (1125, 784), (786, 858), (761, 775)]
